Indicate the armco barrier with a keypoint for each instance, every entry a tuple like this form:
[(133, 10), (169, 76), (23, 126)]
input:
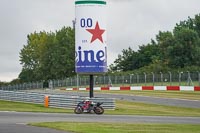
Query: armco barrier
[(49, 100), (142, 88), (71, 102), (36, 98)]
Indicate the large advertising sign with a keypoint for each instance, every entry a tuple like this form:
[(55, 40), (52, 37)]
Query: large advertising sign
[(91, 40)]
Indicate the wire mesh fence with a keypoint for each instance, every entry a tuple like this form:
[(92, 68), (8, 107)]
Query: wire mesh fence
[(24, 86), (133, 79)]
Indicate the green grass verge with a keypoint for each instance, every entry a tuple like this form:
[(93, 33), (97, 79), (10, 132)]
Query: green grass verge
[(191, 95), (122, 108), (120, 127), (28, 107), (137, 108)]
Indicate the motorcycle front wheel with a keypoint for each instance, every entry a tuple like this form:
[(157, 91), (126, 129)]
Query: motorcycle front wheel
[(99, 110), (78, 110)]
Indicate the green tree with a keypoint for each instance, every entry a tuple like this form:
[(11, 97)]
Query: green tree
[(182, 52), (62, 54), (177, 49), (126, 61), (131, 60), (48, 55), (164, 40), (30, 56), (148, 53)]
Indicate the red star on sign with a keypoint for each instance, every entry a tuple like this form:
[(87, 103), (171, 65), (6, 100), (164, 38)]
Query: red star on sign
[(96, 33)]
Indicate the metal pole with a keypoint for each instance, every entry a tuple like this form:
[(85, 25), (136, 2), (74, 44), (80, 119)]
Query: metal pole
[(199, 78), (137, 76), (104, 80), (95, 80), (77, 82), (115, 79), (180, 78), (189, 79), (131, 78), (161, 78), (170, 78), (153, 78), (91, 86), (123, 80), (71, 81), (85, 80), (145, 78)]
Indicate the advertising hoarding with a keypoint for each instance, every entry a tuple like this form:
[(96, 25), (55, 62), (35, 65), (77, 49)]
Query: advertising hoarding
[(90, 35)]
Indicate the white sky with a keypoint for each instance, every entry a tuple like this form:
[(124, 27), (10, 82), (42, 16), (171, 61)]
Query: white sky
[(130, 23)]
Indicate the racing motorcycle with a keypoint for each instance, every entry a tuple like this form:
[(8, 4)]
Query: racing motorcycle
[(88, 106)]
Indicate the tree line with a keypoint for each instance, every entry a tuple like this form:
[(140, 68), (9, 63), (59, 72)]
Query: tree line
[(171, 50), (50, 55)]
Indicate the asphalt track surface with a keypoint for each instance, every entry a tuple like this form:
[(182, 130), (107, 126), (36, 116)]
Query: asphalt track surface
[(16, 122)]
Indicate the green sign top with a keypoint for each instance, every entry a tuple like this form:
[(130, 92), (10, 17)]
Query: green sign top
[(90, 2)]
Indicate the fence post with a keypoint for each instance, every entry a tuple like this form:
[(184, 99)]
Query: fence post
[(170, 78), (189, 80), (145, 78), (77, 81), (180, 73), (123, 80), (161, 78), (199, 78), (115, 79), (131, 78), (153, 78), (137, 76)]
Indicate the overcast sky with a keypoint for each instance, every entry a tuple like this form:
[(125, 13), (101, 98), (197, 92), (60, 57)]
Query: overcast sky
[(130, 23)]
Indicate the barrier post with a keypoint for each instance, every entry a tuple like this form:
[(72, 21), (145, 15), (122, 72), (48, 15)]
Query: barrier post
[(46, 101)]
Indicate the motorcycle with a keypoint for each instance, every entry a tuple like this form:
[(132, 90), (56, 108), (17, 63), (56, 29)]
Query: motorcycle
[(88, 106)]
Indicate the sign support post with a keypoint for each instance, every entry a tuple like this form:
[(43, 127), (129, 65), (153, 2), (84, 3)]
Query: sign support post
[(91, 86), (90, 39)]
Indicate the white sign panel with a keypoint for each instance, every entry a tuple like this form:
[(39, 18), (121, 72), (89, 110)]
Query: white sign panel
[(91, 45)]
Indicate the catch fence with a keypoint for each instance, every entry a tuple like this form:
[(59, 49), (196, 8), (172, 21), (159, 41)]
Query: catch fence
[(133, 79)]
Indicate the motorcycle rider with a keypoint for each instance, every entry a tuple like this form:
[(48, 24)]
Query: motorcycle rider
[(87, 105)]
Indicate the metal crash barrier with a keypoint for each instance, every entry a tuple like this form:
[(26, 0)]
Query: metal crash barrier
[(49, 100)]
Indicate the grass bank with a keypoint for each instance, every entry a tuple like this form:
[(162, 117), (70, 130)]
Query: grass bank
[(122, 108), (190, 95), (120, 127), (137, 108), (28, 107)]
